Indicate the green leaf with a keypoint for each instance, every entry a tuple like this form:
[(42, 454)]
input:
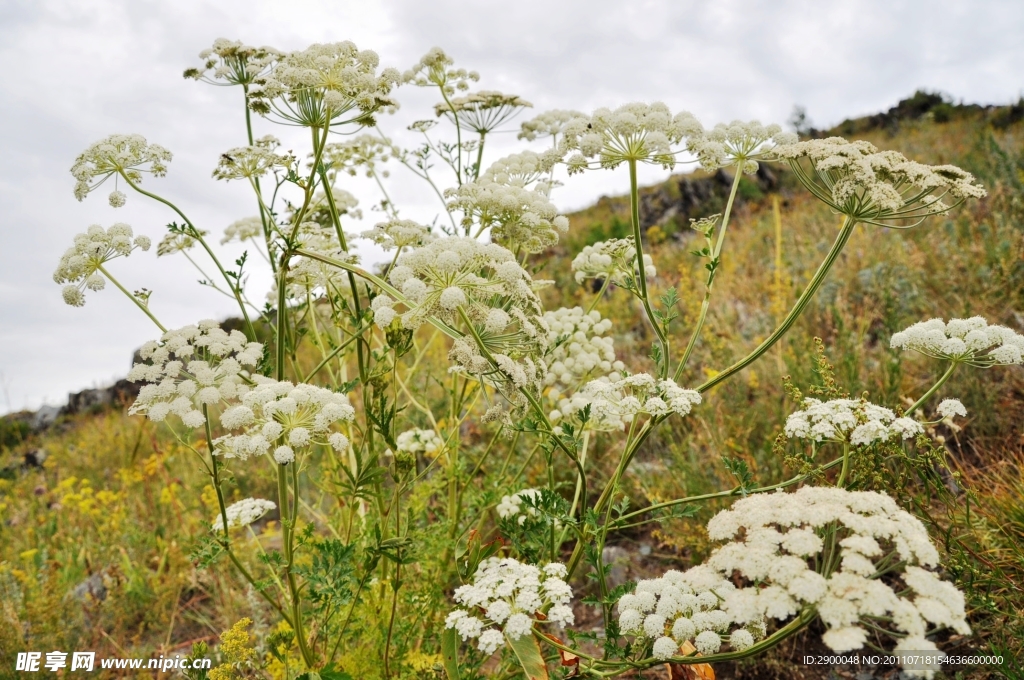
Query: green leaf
[(450, 652), (528, 652)]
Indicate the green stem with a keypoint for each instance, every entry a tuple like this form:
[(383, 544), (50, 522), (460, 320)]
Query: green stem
[(716, 260), (287, 532), (634, 211), (600, 294), (841, 480), (138, 303), (250, 331), (935, 387), (819, 277)]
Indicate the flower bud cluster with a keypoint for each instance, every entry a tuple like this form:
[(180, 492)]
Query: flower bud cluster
[(509, 597), (243, 513), (969, 341), (127, 155), (876, 187), (325, 84), (614, 259), (80, 263), (250, 162), (296, 416), (614, 402), (642, 133), (737, 143), (229, 62), (192, 367), (682, 607), (855, 421)]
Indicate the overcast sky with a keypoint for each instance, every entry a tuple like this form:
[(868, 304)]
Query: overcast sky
[(74, 71)]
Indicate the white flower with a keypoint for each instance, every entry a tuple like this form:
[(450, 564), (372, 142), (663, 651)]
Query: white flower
[(398, 234), (548, 124), (279, 409), (615, 260), (874, 533), (664, 648), (738, 143), (509, 594), (80, 263), (741, 639), (243, 230), (251, 162), (518, 218), (636, 132), (325, 84), (876, 187), (578, 347), (362, 152), (192, 367), (128, 156), (481, 111), (116, 199), (708, 642), (614, 402), (244, 513), (511, 506), (971, 341), (229, 62), (436, 68), (415, 441), (948, 408), (848, 420)]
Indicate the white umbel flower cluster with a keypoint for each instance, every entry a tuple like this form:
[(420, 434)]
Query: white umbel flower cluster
[(579, 347), (126, 155), (508, 595), (883, 565), (399, 234), (876, 187), (243, 513), (738, 143), (79, 265), (614, 402), (416, 441), (454, 272), (614, 259), (948, 408), (361, 153), (294, 416), (481, 111), (242, 230), (192, 367), (855, 421), (970, 341), (639, 132), (250, 162), (325, 84), (523, 170), (548, 124), (518, 218), (511, 506), (682, 607), (437, 68), (229, 62)]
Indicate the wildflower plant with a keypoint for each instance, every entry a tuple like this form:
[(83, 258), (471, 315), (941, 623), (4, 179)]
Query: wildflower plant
[(434, 431)]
